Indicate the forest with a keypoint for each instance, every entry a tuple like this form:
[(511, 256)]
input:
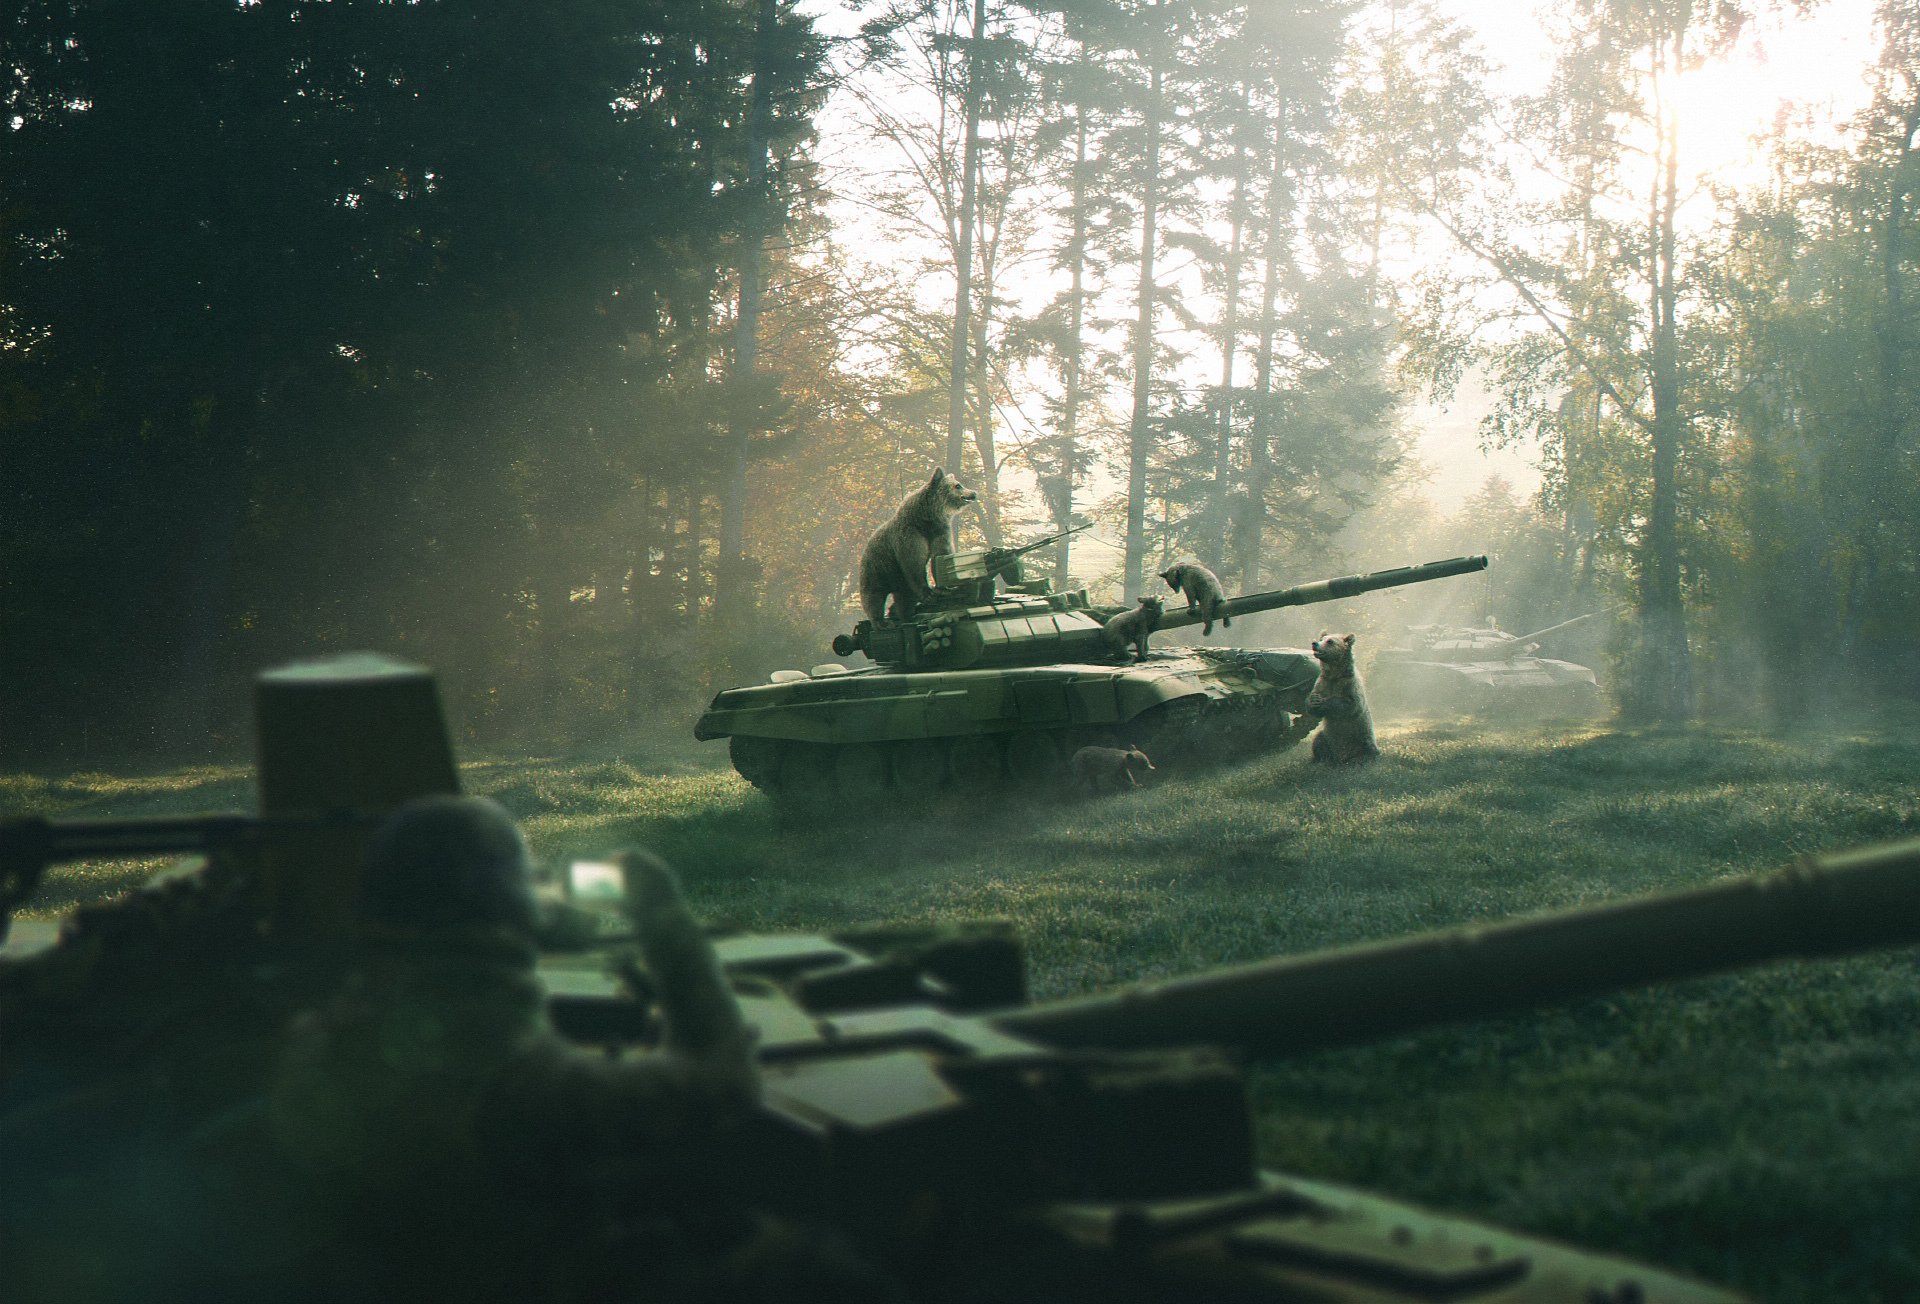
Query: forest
[(574, 349)]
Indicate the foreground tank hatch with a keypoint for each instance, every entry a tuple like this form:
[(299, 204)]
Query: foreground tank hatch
[(913, 1103), (1000, 680), (1484, 668)]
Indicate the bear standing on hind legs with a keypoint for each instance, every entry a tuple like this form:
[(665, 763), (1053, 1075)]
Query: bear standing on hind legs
[(1346, 726), (896, 558)]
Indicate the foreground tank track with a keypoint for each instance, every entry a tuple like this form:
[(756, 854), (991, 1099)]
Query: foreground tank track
[(1186, 734)]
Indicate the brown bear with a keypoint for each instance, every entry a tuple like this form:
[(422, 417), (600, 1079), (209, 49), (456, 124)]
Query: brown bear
[(1337, 700), (896, 558), (1104, 769), (1204, 594), (1133, 627)]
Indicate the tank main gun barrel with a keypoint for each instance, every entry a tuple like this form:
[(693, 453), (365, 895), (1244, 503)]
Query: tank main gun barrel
[(1553, 629), (1346, 586), (1818, 906)]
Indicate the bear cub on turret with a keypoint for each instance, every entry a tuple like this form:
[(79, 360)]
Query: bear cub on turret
[(1205, 597), (896, 557), (1133, 627), (1346, 726)]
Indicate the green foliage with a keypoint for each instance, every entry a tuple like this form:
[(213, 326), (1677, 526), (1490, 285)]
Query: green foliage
[(350, 323)]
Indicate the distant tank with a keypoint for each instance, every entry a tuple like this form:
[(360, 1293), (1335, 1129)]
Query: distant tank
[(986, 684), (1463, 668)]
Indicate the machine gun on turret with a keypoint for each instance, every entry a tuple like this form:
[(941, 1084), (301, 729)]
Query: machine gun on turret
[(968, 577)]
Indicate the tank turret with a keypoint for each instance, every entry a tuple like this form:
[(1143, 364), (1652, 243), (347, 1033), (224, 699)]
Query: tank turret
[(985, 685)]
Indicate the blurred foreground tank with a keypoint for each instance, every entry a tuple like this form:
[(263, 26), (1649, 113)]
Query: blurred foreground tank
[(984, 686), (1101, 1148), (1457, 668), (972, 1145)]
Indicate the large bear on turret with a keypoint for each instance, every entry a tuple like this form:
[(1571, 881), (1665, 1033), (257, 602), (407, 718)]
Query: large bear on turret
[(896, 559)]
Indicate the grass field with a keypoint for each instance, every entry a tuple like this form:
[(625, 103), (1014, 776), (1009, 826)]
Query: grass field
[(1761, 1130)]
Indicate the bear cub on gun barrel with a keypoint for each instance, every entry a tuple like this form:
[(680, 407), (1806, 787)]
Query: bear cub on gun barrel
[(1204, 595), (1346, 726), (896, 557)]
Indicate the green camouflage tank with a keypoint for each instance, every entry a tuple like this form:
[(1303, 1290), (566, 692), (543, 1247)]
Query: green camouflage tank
[(1457, 668), (999, 679)]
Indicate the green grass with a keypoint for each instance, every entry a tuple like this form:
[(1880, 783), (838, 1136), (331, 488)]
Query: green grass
[(1755, 1129)]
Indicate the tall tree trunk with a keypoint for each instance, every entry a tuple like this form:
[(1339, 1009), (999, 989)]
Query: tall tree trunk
[(1140, 429), (1668, 690), (733, 586), (963, 250), (1229, 345), (696, 581), (1260, 451), (983, 423), (1888, 402), (1071, 364)]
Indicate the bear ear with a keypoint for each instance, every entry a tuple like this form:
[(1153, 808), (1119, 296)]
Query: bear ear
[(939, 477), (1349, 640)]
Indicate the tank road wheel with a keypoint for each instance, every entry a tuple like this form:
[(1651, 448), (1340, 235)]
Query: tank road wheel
[(974, 761), (756, 759), (919, 766), (806, 774), (1035, 762), (860, 772)]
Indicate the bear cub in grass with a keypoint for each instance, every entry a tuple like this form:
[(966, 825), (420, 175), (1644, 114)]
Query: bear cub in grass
[(1133, 627), (1204, 594), (1106, 769), (1346, 726), (896, 558)]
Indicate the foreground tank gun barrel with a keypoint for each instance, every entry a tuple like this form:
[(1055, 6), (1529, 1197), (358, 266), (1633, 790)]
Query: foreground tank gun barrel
[(28, 846), (1818, 906), (1333, 590), (1105, 1132)]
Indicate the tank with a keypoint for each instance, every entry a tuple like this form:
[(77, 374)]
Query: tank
[(1463, 668), (999, 680), (972, 1145)]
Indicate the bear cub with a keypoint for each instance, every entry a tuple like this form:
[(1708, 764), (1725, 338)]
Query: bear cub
[(1133, 627), (897, 556), (1204, 594), (1346, 726), (1106, 769)]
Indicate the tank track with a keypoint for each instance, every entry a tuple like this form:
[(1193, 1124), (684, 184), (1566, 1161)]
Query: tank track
[(1187, 734)]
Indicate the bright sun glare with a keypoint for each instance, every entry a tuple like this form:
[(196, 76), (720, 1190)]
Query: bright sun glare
[(1817, 63)]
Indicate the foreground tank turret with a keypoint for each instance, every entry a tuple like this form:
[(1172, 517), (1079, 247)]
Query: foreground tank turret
[(1464, 668), (1001, 680), (973, 1146)]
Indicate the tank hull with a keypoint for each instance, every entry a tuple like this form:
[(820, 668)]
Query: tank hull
[(1519, 685), (861, 732)]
